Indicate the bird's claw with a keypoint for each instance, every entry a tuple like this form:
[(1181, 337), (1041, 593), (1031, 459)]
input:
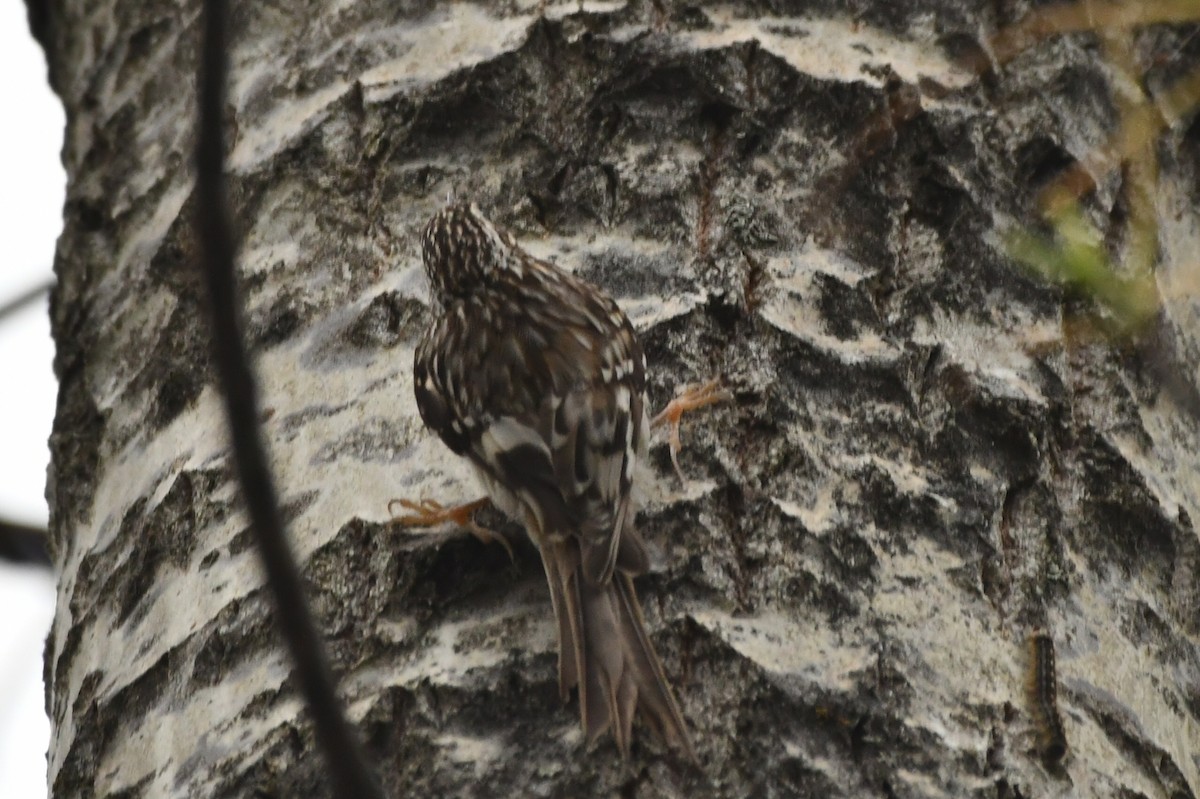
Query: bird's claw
[(691, 398), (431, 513)]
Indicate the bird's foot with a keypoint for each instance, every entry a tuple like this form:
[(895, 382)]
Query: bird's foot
[(689, 399), (430, 513)]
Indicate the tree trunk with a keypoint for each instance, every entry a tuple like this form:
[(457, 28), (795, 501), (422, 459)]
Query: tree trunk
[(921, 466)]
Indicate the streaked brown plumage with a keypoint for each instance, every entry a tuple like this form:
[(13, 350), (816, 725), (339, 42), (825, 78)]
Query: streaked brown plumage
[(538, 379)]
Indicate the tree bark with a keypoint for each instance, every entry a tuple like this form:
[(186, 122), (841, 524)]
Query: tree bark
[(921, 466)]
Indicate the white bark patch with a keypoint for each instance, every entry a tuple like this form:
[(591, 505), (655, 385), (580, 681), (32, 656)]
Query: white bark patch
[(792, 306), (838, 49), (143, 243), (821, 514), (458, 651), (147, 314), (821, 511), (285, 123), (210, 718), (449, 39), (970, 659), (567, 251), (647, 312), (569, 7), (1097, 661), (479, 753), (997, 362), (953, 659), (1179, 274), (790, 646), (264, 256), (445, 662), (644, 311), (455, 37), (1170, 467)]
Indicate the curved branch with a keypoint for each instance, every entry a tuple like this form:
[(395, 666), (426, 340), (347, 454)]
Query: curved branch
[(349, 771)]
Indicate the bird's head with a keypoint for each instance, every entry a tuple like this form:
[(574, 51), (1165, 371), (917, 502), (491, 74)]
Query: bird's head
[(463, 252)]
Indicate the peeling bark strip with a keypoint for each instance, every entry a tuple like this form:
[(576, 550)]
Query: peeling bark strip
[(921, 463)]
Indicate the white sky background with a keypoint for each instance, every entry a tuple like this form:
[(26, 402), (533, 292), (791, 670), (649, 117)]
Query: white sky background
[(31, 200)]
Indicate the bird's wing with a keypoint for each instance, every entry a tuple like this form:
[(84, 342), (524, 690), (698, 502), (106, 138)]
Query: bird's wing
[(548, 400)]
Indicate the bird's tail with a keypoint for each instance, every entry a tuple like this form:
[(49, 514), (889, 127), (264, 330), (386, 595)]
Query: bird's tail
[(603, 648)]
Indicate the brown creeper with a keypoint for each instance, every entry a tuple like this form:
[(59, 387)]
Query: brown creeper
[(537, 378)]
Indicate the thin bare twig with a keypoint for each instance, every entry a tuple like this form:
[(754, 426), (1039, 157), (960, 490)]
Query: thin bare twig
[(26, 297), (348, 768), (20, 543)]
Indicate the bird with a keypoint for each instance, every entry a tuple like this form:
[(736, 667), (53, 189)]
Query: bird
[(538, 379)]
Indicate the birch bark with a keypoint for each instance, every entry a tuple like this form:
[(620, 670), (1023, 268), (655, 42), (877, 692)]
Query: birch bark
[(921, 467)]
